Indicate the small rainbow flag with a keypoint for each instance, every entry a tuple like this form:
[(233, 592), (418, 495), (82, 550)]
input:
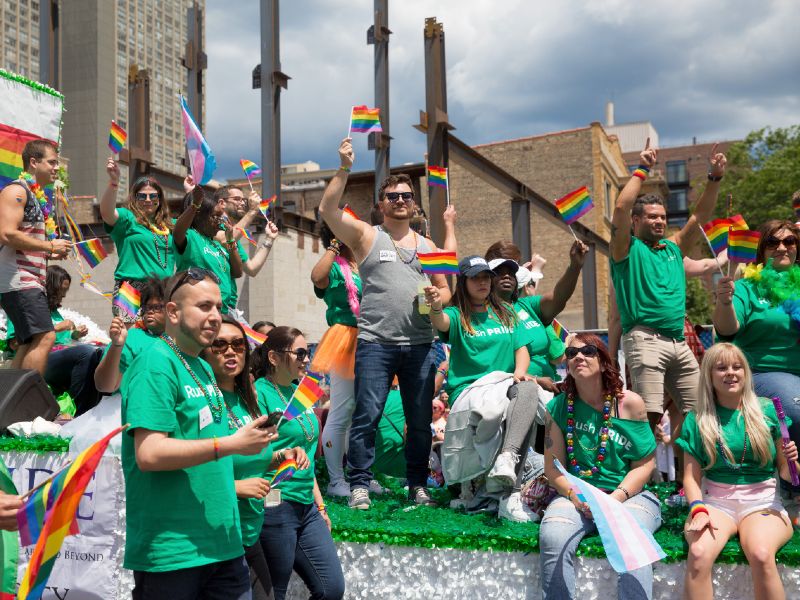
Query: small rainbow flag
[(737, 222), (560, 330), (92, 251), (248, 236), (116, 138), (264, 205), (305, 396), (438, 263), (364, 119), (742, 245), (250, 168), (349, 211), (574, 205), (128, 299), (255, 338), (437, 176), (284, 471), (717, 234)]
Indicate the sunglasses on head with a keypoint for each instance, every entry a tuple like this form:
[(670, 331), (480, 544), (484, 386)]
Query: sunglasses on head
[(589, 350), (400, 196), (193, 274), (300, 354), (773, 242), (221, 346)]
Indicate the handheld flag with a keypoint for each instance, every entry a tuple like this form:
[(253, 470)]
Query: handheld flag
[(737, 222), (128, 299), (250, 168), (574, 205), (364, 120), (628, 545), (248, 236), (286, 469), (560, 331), (92, 251), (742, 245), (89, 286), (116, 138), (786, 439), (255, 338), (264, 205), (437, 176), (438, 263), (349, 211), (305, 396), (201, 158), (716, 232)]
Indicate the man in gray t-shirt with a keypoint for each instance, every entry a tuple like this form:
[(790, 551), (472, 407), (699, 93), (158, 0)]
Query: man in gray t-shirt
[(394, 339)]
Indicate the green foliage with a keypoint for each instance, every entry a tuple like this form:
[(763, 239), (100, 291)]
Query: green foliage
[(63, 176), (698, 301)]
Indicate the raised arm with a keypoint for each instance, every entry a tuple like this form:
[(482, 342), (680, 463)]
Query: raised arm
[(704, 266), (252, 212), (233, 251), (108, 202), (553, 302), (449, 217), (184, 221), (320, 274), (253, 266), (107, 375), (621, 219)]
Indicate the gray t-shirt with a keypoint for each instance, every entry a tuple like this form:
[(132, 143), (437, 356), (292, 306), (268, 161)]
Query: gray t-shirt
[(390, 278)]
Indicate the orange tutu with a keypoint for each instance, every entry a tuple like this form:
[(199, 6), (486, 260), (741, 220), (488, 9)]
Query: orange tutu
[(336, 352)]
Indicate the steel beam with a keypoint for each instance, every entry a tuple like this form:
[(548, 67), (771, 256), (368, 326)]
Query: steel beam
[(378, 35), (49, 50), (138, 155), (195, 61)]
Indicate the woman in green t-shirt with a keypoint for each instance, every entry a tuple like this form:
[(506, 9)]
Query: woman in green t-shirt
[(296, 533), (600, 432), (140, 230), (729, 475)]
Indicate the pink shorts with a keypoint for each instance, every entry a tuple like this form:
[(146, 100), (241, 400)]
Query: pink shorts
[(739, 500)]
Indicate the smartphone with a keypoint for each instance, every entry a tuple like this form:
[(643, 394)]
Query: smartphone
[(274, 418)]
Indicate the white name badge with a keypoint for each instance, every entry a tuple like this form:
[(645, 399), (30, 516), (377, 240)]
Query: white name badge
[(205, 417), (273, 498), (388, 256)]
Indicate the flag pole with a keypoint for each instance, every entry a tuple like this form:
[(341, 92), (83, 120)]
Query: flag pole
[(447, 183), (572, 231), (710, 247), (350, 124)]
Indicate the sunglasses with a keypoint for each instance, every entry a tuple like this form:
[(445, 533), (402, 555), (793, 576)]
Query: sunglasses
[(193, 274), (773, 242), (221, 346), (588, 351), (152, 308), (300, 354), (144, 197), (393, 197)]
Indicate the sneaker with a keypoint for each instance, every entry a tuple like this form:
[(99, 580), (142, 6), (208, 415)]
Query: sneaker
[(514, 509), (420, 495), (339, 488), (495, 486), (376, 488), (504, 469), (359, 498)]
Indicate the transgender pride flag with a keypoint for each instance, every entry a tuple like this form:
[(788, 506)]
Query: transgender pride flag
[(627, 544), (201, 158)]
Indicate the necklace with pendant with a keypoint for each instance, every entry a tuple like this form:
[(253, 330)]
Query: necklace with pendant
[(215, 407), (309, 436)]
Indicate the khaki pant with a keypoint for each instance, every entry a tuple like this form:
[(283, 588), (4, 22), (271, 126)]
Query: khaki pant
[(659, 363)]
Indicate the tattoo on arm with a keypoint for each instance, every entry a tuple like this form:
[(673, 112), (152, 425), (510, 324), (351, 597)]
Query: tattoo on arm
[(613, 230), (548, 440)]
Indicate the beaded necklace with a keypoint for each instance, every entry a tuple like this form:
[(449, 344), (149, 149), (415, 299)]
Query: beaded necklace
[(729, 464), (234, 422), (216, 408), (44, 204), (602, 438), (398, 248), (309, 436), (160, 235)]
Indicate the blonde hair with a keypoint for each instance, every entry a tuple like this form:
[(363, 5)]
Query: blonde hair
[(706, 409)]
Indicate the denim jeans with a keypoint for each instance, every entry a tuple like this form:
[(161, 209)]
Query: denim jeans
[(562, 529), (295, 537), (226, 580), (71, 369), (260, 580), (376, 366)]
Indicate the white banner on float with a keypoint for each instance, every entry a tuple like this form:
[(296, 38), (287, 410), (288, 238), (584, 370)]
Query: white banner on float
[(89, 566)]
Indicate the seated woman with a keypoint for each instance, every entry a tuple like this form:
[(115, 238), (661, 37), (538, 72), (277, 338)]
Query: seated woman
[(483, 337), (600, 432), (733, 447)]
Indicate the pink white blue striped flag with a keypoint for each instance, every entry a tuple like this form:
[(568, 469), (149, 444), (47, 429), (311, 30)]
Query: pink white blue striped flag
[(627, 544), (201, 159)]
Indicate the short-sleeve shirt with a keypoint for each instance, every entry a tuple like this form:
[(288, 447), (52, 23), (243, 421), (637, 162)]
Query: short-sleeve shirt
[(732, 423), (63, 338), (535, 336), (490, 348), (136, 342), (628, 441), (207, 253), (651, 288), (335, 296), (244, 256), (186, 517), (142, 253)]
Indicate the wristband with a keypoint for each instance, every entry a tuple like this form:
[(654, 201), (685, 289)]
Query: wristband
[(345, 169), (624, 491), (436, 312), (641, 172), (216, 448), (265, 244), (695, 503), (697, 510), (321, 507), (569, 495), (713, 178)]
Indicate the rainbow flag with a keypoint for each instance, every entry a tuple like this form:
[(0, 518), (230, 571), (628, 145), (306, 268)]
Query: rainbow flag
[(248, 236), (717, 234), (116, 138), (438, 263), (12, 141), (560, 330), (284, 471), (32, 516), (89, 286), (628, 545), (364, 120), (737, 222), (128, 299), (255, 338), (264, 205), (305, 396), (201, 158), (574, 205), (742, 245), (250, 168), (59, 519), (437, 176), (349, 211), (92, 251)]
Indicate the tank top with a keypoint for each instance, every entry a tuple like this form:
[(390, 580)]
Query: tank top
[(25, 270)]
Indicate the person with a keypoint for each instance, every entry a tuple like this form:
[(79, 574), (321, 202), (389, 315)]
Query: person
[(196, 245), (141, 231), (264, 327), (24, 250), (10, 502), (183, 536), (229, 358), (394, 338), (620, 464), (126, 344), (296, 533), (732, 447), (650, 286)]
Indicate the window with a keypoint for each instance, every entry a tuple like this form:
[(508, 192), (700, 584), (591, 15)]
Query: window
[(676, 172), (677, 202)]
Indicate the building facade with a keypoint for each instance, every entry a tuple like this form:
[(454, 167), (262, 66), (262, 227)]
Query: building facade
[(19, 23)]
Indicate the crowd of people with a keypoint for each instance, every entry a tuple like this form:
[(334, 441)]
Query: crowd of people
[(206, 437)]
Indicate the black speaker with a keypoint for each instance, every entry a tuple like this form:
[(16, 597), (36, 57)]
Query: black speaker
[(24, 396)]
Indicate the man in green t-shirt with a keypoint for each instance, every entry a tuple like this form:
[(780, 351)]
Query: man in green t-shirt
[(647, 272), (183, 537)]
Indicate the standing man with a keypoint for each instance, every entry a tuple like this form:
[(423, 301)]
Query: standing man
[(24, 250), (393, 337), (649, 281), (183, 538)]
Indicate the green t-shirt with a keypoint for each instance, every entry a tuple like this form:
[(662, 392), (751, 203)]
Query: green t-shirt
[(536, 336), (207, 253), (251, 510), (490, 348), (732, 423), (554, 352), (136, 342), (300, 487), (651, 288), (628, 441), (187, 517), (390, 458), (767, 335), (335, 296), (63, 338), (234, 297), (142, 253)]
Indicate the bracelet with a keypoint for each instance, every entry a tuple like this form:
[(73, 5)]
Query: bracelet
[(321, 507), (265, 244), (695, 503), (112, 184), (442, 372), (641, 172), (197, 205), (333, 249), (624, 491), (216, 448), (345, 169), (569, 495), (52, 247), (118, 345), (715, 179), (436, 312), (697, 510)]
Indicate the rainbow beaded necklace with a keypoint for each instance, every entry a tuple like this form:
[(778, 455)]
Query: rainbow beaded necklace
[(603, 438), (44, 204)]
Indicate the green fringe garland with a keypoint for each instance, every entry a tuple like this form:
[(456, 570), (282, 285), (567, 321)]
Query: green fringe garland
[(46, 89), (38, 444)]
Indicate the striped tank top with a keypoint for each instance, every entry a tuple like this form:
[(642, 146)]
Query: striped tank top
[(25, 269)]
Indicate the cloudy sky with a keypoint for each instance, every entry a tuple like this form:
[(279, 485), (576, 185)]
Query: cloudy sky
[(715, 70)]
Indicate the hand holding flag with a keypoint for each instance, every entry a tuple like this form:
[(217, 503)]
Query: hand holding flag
[(116, 138)]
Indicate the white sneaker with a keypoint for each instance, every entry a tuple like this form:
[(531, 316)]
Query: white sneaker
[(504, 469), (359, 498), (514, 509), (376, 488), (338, 488)]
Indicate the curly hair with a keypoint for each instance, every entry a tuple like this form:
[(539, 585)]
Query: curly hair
[(609, 373)]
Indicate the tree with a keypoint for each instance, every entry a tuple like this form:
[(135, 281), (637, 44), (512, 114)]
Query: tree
[(698, 301)]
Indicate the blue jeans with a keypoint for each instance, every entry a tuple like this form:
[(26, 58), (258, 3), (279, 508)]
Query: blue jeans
[(376, 366), (562, 529), (295, 537), (71, 369), (226, 580)]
